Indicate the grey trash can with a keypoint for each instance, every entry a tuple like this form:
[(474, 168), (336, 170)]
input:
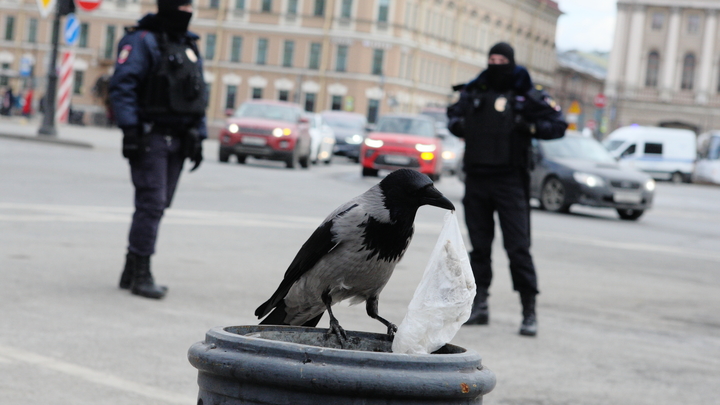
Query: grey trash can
[(299, 366)]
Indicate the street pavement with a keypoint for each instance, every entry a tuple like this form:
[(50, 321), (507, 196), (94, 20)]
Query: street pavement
[(629, 312)]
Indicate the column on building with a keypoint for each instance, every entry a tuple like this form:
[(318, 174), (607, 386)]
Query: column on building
[(634, 53), (670, 60), (707, 57), (617, 53)]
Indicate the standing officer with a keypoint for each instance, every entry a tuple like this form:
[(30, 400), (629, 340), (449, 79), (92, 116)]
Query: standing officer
[(498, 113), (159, 99)]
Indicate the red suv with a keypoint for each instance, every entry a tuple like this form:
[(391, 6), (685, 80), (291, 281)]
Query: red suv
[(402, 140), (267, 129)]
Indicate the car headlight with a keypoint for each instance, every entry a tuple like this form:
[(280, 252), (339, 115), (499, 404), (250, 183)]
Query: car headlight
[(447, 155), (374, 143), (589, 180), (425, 148), (278, 132), (355, 139), (427, 156), (650, 185), (233, 128)]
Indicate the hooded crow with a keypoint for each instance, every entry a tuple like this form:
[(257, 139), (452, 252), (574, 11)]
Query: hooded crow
[(352, 254)]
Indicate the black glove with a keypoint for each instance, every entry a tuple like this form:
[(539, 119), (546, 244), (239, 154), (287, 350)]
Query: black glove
[(133, 145), (197, 158), (522, 126), (193, 147)]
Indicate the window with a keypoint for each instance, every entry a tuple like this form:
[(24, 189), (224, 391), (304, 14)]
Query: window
[(372, 113), (109, 41), (236, 49), (688, 72), (658, 19), (257, 92), (377, 61), (310, 102), (288, 53), (341, 60), (336, 103), (653, 148), (346, 9), (383, 8), (78, 82), (315, 49), (32, 30), (210, 46), (239, 4), (283, 95), (693, 24), (9, 28), (629, 151), (231, 92), (4, 80), (215, 4), (319, 9), (84, 34), (653, 67), (262, 48), (266, 6), (292, 7)]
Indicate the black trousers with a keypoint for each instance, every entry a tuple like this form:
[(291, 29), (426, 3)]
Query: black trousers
[(508, 195), (155, 176)]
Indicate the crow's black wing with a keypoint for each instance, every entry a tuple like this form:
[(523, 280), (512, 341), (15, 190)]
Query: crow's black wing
[(318, 245)]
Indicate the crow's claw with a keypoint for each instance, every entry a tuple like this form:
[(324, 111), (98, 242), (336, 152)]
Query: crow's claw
[(392, 328)]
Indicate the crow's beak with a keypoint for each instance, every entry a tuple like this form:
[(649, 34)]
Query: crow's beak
[(432, 196)]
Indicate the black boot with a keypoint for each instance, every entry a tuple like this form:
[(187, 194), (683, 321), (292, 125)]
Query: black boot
[(127, 274), (529, 323), (142, 281), (480, 314)]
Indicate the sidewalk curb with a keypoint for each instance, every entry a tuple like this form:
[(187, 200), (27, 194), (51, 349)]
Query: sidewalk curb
[(48, 139)]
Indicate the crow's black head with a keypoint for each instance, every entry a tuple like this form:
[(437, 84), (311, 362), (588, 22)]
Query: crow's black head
[(405, 190)]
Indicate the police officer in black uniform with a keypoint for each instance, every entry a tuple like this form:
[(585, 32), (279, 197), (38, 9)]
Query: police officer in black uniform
[(498, 113), (159, 100)]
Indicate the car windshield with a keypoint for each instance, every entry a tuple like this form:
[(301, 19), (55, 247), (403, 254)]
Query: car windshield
[(576, 148), (344, 123), (439, 116), (402, 125), (612, 145), (268, 111)]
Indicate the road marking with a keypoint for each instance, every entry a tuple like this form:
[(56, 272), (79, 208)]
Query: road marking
[(94, 376)]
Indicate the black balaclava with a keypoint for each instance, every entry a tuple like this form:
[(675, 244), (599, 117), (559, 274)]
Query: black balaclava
[(501, 77), (171, 19)]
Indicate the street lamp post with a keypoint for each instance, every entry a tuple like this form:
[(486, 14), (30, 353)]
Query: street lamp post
[(48, 125)]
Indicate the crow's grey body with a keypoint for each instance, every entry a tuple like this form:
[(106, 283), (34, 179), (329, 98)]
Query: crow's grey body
[(353, 253)]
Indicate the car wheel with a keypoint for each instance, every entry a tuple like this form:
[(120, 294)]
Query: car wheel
[(629, 214), (553, 197), (241, 159), (367, 172), (304, 162), (677, 178), (292, 161), (329, 159), (435, 177), (224, 156)]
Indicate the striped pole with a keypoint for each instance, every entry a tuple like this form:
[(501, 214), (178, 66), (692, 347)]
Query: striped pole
[(66, 84)]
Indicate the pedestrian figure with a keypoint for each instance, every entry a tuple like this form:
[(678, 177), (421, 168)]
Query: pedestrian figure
[(27, 104), (8, 101), (159, 100), (498, 113)]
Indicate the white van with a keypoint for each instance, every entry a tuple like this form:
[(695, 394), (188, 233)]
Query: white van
[(663, 153), (707, 167)]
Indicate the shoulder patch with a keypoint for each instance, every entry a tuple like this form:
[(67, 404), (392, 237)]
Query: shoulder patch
[(552, 103), (539, 87), (124, 54)]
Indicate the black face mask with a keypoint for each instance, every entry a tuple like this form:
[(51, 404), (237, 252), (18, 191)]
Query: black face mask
[(500, 77), (175, 21)]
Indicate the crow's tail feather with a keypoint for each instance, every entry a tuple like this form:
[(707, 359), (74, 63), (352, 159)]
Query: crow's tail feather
[(277, 316), (313, 322)]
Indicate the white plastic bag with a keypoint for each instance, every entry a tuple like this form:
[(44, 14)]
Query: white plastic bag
[(443, 299)]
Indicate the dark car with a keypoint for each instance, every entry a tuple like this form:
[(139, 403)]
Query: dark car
[(350, 130), (579, 170), (267, 129)]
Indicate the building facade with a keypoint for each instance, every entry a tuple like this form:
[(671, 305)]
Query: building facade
[(370, 56), (579, 80), (665, 64)]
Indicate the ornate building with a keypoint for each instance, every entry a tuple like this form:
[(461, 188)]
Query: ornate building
[(370, 56), (665, 64)]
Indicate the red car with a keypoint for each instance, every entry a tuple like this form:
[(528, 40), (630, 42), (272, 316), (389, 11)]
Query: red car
[(402, 140), (267, 129)]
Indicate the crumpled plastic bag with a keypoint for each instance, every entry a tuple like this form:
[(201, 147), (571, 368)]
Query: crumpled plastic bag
[(443, 299)]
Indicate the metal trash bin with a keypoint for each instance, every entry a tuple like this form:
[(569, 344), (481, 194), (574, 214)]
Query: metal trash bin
[(302, 366)]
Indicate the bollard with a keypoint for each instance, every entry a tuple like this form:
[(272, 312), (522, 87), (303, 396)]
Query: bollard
[(302, 366)]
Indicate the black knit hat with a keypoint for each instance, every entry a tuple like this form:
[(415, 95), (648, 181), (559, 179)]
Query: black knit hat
[(504, 49), (169, 5)]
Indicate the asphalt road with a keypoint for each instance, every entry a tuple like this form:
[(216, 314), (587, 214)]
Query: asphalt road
[(629, 311)]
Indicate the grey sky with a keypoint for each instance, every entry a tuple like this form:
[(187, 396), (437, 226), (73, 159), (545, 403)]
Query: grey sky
[(586, 25)]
